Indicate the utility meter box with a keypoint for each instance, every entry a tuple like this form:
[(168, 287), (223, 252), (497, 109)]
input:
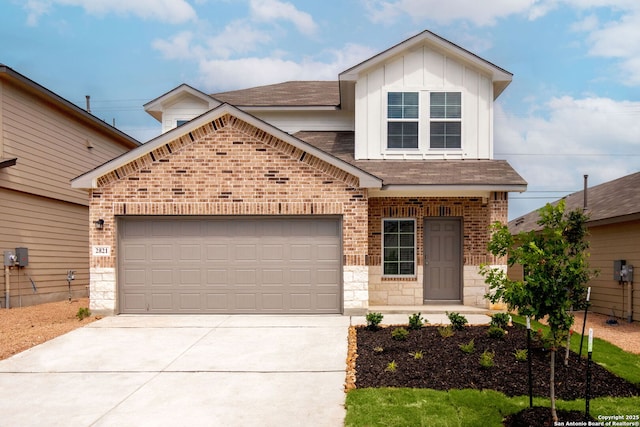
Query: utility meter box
[(622, 272), (22, 257), (617, 269), (9, 259)]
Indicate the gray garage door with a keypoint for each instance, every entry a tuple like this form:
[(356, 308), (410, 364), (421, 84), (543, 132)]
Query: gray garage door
[(229, 265)]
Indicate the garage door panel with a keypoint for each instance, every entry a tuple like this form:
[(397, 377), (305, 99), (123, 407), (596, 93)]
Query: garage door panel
[(230, 265), (161, 278), (217, 252), (132, 253), (189, 277), (162, 301), (135, 278), (190, 301), (216, 277), (273, 302), (189, 252), (134, 302), (246, 252), (161, 253)]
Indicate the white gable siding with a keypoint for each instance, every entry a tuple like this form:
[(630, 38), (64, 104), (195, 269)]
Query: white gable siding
[(424, 70), (186, 107)]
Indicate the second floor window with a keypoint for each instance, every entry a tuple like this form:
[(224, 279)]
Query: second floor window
[(446, 120), (402, 119)]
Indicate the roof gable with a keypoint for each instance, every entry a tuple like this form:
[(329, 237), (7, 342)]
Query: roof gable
[(212, 120), (499, 77), (157, 106)]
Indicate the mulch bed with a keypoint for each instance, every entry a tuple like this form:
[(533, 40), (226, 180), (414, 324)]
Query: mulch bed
[(445, 366)]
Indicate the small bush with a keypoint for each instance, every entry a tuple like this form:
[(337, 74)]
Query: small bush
[(399, 334), (521, 355), (486, 359), (445, 331), (458, 321), (496, 332), (83, 312), (500, 320), (391, 366), (468, 348), (416, 321), (416, 355), (373, 321)]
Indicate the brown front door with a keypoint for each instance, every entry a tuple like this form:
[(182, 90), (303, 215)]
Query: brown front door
[(442, 259)]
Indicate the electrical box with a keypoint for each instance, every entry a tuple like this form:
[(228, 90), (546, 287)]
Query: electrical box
[(618, 270), (9, 259), (22, 257), (622, 272)]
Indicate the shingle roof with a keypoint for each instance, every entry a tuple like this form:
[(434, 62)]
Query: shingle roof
[(417, 172), (612, 201), (287, 94)]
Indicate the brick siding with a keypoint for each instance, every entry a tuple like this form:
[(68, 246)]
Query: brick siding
[(228, 167)]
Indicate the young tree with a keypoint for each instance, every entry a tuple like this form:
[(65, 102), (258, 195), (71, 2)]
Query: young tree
[(554, 261)]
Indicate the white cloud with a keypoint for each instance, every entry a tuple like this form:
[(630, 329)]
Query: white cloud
[(480, 13), (594, 136), (237, 37), (227, 74), (177, 47), (272, 10), (170, 11)]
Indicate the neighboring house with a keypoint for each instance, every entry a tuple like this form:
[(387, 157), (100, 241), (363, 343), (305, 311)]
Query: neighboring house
[(614, 232), (44, 142), (309, 196)]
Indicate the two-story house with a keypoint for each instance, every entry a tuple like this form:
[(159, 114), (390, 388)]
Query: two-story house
[(309, 196), (45, 141)]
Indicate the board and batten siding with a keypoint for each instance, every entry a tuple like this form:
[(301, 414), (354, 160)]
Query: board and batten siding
[(423, 70), (186, 107), (57, 236), (51, 147)]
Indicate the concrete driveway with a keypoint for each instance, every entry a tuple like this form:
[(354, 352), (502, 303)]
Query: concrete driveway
[(182, 371)]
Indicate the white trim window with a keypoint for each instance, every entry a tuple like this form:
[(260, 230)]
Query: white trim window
[(399, 247), (445, 127), (403, 111)]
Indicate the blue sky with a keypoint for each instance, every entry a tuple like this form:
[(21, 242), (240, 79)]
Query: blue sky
[(573, 107)]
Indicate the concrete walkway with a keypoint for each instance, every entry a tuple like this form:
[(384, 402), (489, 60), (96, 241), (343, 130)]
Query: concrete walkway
[(182, 371)]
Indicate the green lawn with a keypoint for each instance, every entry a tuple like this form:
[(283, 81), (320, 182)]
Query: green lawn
[(395, 407)]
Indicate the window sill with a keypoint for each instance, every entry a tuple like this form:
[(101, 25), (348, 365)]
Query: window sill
[(399, 278)]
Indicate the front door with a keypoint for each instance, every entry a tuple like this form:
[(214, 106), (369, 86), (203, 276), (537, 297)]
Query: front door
[(442, 259)]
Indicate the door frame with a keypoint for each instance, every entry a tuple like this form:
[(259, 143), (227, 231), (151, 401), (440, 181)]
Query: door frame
[(460, 223)]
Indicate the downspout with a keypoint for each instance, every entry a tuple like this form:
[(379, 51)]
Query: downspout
[(585, 206)]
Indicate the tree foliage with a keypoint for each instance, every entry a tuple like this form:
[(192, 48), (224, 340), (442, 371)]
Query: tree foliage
[(555, 268)]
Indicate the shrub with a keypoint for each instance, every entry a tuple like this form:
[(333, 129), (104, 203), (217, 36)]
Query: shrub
[(457, 320), (391, 366), (496, 332), (521, 355), (416, 355), (468, 348), (373, 321), (445, 331), (486, 359), (399, 334), (500, 320), (416, 321), (82, 313)]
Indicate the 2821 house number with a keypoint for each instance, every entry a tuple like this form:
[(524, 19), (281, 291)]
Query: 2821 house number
[(101, 250)]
